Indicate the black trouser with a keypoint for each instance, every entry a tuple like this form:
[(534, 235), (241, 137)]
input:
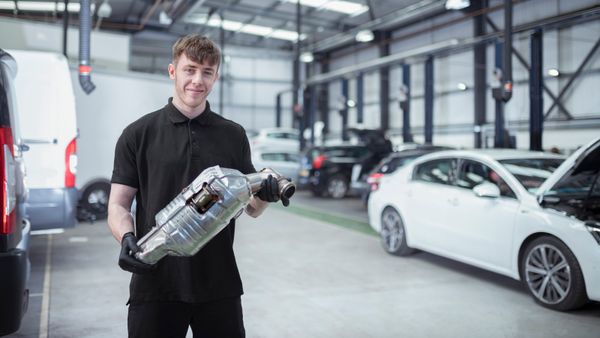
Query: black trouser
[(217, 319)]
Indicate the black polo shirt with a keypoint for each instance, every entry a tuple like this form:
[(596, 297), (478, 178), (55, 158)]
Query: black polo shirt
[(159, 155)]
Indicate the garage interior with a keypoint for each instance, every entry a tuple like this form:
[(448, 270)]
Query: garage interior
[(485, 75)]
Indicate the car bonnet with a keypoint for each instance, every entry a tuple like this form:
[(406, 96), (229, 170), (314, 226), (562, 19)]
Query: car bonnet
[(573, 165)]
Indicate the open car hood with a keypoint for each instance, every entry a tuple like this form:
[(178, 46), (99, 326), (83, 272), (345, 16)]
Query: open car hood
[(584, 161)]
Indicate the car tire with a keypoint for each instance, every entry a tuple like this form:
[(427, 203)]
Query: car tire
[(94, 200), (393, 233), (337, 186), (552, 275)]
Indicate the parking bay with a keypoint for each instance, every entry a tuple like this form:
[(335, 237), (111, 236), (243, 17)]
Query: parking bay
[(314, 270)]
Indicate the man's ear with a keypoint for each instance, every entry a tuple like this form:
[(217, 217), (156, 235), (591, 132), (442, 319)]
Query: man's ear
[(171, 71)]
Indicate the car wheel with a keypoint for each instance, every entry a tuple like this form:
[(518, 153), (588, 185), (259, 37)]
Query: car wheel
[(393, 233), (337, 186), (552, 274), (94, 200)]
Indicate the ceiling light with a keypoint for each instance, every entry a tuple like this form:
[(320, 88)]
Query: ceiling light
[(364, 35), (461, 86), (340, 6), (41, 6), (164, 19), (553, 72), (351, 103), (457, 4), (104, 10), (307, 57), (256, 30), (237, 26)]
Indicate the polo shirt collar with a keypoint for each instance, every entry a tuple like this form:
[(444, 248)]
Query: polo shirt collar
[(175, 116)]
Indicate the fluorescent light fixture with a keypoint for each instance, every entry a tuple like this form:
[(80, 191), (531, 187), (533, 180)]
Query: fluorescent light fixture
[(41, 6), (351, 103), (553, 72), (340, 6), (307, 57), (461, 86), (237, 26), (364, 35), (457, 4), (164, 19), (256, 30)]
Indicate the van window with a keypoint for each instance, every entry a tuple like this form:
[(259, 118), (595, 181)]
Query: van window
[(4, 109)]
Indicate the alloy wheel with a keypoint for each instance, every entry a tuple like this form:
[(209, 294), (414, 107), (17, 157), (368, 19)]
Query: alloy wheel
[(392, 230), (337, 188), (548, 274)]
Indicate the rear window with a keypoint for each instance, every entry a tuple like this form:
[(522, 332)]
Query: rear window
[(356, 152), (279, 157), (282, 135), (389, 166), (4, 108), (531, 172)]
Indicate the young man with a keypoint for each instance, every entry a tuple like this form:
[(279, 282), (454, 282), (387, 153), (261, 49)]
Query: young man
[(155, 158)]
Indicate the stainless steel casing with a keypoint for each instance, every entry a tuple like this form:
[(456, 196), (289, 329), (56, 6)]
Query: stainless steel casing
[(181, 230)]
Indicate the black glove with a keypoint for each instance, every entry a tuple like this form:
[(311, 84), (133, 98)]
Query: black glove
[(127, 260), (269, 190)]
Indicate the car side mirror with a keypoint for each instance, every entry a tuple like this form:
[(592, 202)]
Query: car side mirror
[(486, 189)]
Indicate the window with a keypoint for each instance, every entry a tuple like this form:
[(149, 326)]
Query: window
[(280, 157), (4, 104), (532, 172), (436, 171), (473, 173)]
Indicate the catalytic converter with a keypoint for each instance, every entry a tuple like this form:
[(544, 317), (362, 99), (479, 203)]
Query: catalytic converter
[(202, 210)]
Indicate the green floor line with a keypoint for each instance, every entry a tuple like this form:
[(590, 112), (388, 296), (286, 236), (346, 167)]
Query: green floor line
[(344, 222)]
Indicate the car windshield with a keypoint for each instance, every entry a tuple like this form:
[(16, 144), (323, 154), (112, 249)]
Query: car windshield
[(532, 172)]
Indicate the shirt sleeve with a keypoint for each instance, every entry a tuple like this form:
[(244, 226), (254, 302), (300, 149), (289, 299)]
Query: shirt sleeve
[(125, 164), (246, 166)]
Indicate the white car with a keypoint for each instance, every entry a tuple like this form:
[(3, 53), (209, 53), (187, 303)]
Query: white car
[(279, 138), (285, 162), (516, 213)]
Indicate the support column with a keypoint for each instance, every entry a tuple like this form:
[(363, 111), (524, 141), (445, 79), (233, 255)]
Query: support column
[(359, 98), (429, 100), (536, 94), (499, 104), (344, 110), (312, 112), (384, 81), (480, 81), (324, 97), (278, 110), (404, 101)]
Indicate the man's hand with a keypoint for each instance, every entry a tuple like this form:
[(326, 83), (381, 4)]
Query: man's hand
[(269, 191), (127, 260)]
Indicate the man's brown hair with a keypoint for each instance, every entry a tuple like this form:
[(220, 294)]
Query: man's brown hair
[(198, 49)]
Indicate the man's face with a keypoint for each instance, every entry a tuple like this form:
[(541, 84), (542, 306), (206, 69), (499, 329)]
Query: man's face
[(193, 81)]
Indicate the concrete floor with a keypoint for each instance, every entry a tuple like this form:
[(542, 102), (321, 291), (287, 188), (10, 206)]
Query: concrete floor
[(302, 278)]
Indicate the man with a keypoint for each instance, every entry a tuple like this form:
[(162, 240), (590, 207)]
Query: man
[(155, 158)]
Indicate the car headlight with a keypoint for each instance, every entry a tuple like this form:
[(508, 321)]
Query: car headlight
[(594, 229)]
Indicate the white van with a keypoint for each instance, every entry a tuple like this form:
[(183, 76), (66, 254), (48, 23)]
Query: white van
[(48, 126)]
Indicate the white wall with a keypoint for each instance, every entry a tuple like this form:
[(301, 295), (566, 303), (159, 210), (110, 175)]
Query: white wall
[(119, 99), (108, 50)]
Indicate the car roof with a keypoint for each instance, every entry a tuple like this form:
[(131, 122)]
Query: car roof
[(497, 154)]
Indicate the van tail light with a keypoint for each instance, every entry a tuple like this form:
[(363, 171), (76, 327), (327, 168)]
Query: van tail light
[(318, 161), (70, 163), (9, 186), (373, 180)]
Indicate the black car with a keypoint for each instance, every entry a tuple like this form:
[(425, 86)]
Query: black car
[(330, 170), (369, 181)]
